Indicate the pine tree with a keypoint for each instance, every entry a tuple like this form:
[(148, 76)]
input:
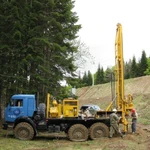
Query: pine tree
[(89, 78), (85, 79), (134, 68), (142, 64), (102, 75), (98, 75), (108, 75), (147, 72), (127, 69)]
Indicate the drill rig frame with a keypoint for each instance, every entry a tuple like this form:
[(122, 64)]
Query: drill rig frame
[(123, 104)]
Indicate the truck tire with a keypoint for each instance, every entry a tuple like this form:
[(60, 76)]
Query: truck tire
[(24, 131), (98, 130), (78, 133)]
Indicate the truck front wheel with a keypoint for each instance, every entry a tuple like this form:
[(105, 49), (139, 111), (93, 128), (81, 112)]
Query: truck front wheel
[(24, 131), (78, 132), (98, 130)]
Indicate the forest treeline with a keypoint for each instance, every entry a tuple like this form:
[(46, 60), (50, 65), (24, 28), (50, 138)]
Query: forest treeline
[(132, 69)]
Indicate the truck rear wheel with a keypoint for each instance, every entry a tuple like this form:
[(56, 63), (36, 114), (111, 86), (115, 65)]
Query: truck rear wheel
[(78, 132), (24, 131), (98, 130)]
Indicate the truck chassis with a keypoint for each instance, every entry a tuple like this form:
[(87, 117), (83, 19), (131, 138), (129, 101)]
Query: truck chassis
[(76, 129)]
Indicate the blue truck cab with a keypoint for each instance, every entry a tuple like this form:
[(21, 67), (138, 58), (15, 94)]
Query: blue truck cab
[(20, 105)]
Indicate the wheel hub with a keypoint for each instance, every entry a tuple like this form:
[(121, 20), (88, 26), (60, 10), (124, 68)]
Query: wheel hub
[(99, 133), (23, 133), (78, 134)]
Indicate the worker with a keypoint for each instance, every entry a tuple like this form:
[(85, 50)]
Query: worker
[(134, 117), (114, 127)]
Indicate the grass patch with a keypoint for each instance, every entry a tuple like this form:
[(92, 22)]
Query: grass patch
[(144, 121), (137, 100)]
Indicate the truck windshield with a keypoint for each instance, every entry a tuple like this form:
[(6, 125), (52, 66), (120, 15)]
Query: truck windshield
[(16, 102)]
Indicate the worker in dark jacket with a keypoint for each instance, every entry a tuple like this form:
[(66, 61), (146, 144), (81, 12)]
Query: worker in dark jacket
[(134, 116), (114, 127)]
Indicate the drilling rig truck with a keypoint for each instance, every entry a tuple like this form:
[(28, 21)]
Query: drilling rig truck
[(26, 118)]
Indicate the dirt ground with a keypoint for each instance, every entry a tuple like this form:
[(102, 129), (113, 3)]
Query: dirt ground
[(138, 141)]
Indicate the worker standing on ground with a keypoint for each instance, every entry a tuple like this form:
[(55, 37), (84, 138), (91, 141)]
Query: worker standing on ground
[(134, 116), (114, 127)]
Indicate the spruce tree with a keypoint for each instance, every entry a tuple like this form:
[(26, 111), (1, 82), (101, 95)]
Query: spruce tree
[(142, 64), (127, 69), (102, 75), (85, 79), (147, 72), (134, 68), (89, 78), (108, 75), (98, 75)]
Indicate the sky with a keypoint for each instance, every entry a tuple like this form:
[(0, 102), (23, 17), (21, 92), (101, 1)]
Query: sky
[(99, 19)]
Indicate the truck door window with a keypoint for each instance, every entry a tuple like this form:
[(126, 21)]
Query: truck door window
[(19, 103), (16, 102)]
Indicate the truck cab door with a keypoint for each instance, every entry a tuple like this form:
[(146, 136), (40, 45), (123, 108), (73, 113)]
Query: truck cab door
[(14, 110)]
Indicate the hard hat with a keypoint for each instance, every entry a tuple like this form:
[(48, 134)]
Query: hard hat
[(114, 110), (133, 110)]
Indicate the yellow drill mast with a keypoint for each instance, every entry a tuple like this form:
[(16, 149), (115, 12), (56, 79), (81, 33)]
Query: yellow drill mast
[(123, 104), (119, 67)]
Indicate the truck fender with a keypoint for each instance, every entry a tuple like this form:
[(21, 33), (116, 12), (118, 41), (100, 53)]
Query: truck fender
[(26, 119)]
